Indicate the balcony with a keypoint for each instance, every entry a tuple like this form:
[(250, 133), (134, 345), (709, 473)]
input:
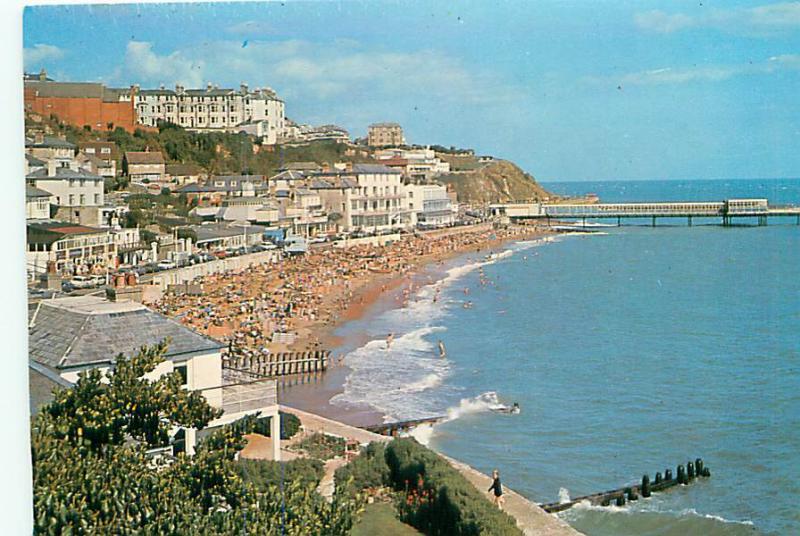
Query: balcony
[(243, 392)]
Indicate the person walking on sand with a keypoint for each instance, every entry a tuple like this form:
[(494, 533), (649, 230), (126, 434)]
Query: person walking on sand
[(389, 339), (497, 488)]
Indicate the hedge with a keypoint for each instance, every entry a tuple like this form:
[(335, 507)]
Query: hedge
[(266, 473), (434, 497), (439, 500), (368, 470)]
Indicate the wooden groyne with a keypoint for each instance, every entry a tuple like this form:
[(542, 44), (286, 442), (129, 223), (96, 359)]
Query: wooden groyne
[(620, 496), (394, 428), (279, 363)]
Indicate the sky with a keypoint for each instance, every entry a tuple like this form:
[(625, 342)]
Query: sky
[(569, 90)]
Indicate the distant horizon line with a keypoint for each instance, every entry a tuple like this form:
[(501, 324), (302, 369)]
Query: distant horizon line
[(668, 179)]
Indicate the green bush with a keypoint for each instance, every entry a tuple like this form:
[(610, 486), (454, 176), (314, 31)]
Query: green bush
[(321, 446), (438, 499), (368, 470), (290, 425), (265, 473)]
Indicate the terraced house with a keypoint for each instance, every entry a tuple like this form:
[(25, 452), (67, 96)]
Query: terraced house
[(212, 109)]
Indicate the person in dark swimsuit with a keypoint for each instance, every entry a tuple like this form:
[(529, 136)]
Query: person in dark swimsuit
[(497, 488)]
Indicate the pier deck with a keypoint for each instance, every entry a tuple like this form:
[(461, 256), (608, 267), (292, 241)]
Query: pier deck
[(727, 210)]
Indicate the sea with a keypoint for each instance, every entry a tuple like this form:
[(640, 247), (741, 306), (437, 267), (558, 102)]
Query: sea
[(630, 350)]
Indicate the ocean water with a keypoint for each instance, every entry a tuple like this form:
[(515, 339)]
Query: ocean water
[(630, 351)]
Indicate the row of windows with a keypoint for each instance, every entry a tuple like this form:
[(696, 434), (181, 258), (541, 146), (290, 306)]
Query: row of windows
[(82, 198)]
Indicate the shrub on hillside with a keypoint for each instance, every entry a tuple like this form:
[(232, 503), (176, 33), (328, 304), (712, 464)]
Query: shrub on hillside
[(437, 498), (265, 473), (368, 470)]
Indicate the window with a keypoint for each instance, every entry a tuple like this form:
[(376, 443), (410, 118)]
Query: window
[(83, 199), (183, 373), (71, 199), (89, 150), (96, 199), (105, 150)]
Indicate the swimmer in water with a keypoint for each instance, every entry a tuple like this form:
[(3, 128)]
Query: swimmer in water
[(442, 350)]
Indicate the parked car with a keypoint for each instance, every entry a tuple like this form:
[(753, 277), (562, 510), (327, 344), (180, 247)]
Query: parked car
[(83, 281), (67, 286), (221, 254), (167, 265), (99, 279)]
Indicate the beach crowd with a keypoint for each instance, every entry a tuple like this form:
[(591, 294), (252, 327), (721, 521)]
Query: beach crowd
[(288, 304)]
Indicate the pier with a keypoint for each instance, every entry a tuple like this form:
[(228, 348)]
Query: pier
[(618, 497), (394, 428), (726, 210)]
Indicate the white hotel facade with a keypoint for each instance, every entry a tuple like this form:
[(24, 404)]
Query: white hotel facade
[(212, 109)]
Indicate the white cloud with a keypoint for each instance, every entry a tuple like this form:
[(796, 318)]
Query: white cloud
[(149, 68), (762, 20), (40, 53), (704, 73), (342, 71), (658, 21)]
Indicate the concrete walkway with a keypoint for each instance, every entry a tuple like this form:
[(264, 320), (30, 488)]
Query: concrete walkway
[(315, 423), (531, 519)]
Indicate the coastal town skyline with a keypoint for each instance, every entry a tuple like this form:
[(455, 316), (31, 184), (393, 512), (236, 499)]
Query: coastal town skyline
[(617, 93)]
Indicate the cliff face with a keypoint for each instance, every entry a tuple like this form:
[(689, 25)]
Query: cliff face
[(499, 181)]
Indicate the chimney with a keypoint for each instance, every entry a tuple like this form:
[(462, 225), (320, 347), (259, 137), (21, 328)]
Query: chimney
[(42, 75), (209, 86), (161, 87), (51, 168), (243, 88), (178, 88)]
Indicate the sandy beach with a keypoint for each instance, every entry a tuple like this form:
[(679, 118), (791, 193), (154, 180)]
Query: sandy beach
[(299, 303)]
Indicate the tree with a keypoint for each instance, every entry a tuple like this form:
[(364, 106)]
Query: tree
[(128, 406), (92, 474)]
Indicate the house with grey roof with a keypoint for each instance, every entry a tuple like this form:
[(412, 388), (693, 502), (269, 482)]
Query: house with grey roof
[(37, 203), (68, 336), (144, 166), (78, 193)]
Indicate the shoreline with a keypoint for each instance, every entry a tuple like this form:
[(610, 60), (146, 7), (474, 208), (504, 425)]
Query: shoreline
[(374, 297)]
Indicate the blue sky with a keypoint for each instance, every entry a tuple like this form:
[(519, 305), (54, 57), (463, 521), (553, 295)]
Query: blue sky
[(570, 90)]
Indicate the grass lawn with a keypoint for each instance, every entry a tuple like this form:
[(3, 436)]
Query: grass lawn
[(379, 518)]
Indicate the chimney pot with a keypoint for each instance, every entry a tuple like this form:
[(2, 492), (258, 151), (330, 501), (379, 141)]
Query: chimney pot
[(51, 168)]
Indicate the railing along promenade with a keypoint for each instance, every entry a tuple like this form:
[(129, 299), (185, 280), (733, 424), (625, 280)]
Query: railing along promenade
[(727, 210)]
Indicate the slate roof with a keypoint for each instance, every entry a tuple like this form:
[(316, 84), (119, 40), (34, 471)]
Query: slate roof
[(332, 182), (301, 166), (50, 142), (34, 162), (288, 175), (88, 330), (32, 191), (63, 173), (212, 232), (184, 169), (144, 157), (374, 168)]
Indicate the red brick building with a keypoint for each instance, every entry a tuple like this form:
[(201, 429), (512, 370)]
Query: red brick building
[(81, 103)]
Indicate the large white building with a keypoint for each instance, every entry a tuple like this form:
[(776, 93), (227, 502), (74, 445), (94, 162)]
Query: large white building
[(213, 109), (379, 200), (431, 205)]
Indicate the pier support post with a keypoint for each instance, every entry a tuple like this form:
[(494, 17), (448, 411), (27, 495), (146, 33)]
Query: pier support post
[(654, 221), (690, 221), (619, 221), (645, 489)]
